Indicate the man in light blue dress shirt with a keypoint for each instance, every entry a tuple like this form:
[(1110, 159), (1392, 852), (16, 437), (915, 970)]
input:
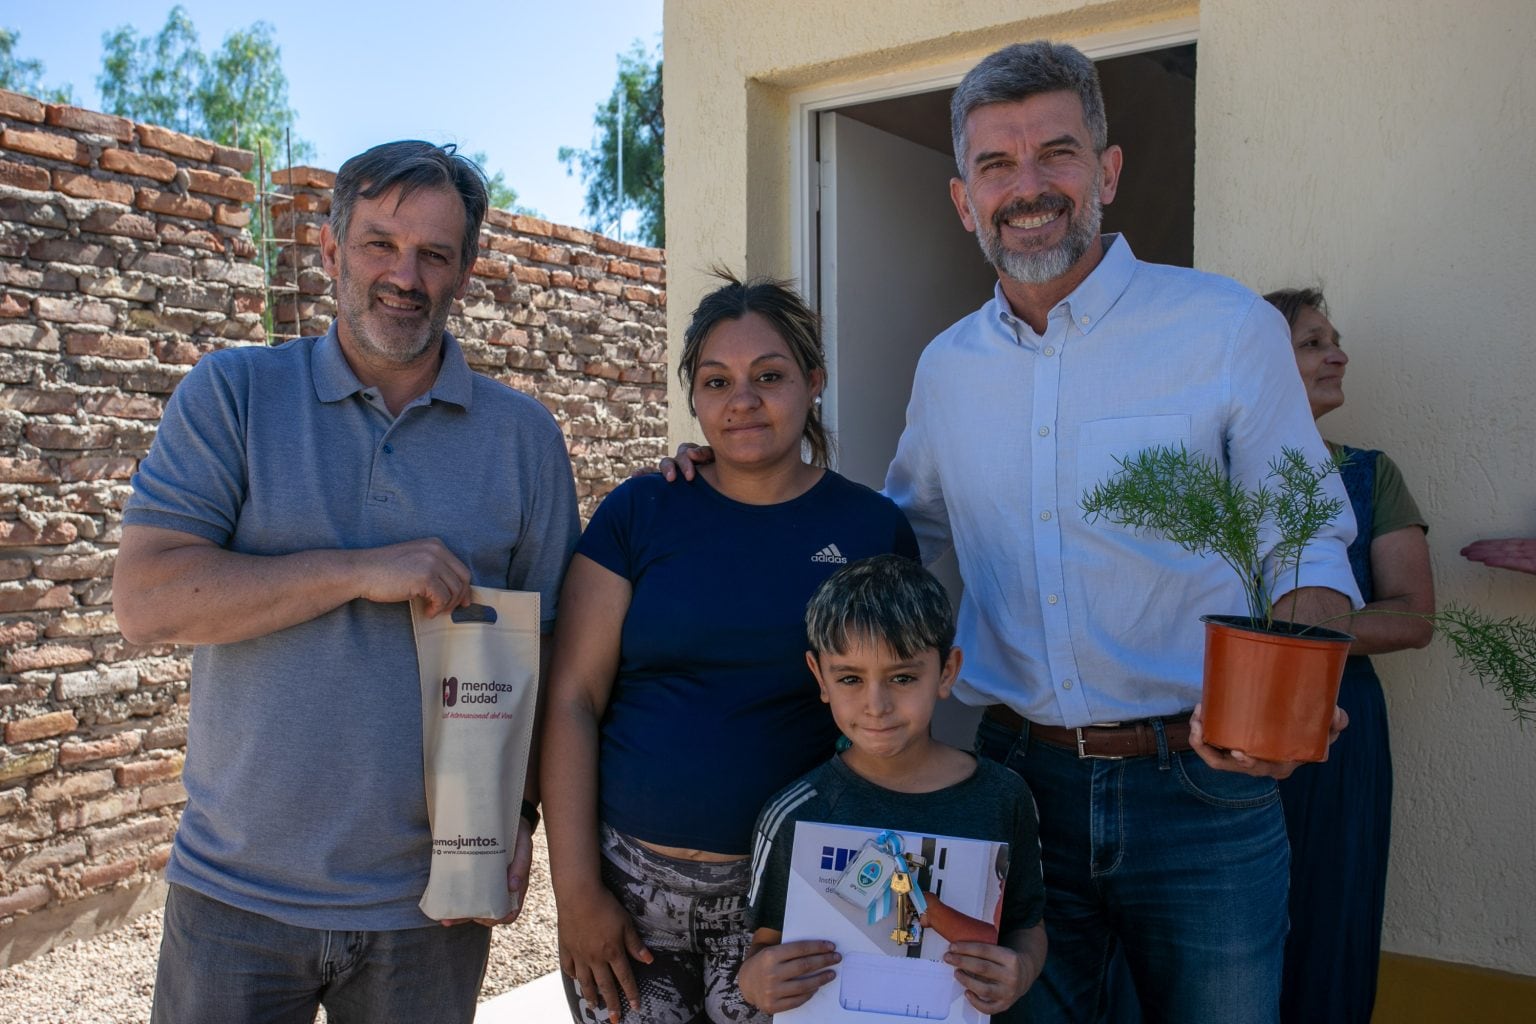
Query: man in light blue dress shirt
[(1083, 639)]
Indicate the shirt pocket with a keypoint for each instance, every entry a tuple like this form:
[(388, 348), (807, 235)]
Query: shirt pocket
[(1103, 444)]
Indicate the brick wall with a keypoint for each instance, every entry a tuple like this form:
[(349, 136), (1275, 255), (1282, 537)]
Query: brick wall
[(124, 257)]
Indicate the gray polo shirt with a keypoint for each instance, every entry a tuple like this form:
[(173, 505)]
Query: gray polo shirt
[(304, 773)]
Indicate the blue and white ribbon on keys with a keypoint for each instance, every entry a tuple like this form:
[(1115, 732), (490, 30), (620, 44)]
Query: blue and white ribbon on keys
[(890, 842)]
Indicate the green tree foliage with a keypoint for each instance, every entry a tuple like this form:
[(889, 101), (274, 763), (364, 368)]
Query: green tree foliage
[(237, 95), (26, 76), (639, 86)]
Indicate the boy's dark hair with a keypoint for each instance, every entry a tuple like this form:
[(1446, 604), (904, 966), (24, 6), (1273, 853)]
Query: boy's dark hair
[(887, 598)]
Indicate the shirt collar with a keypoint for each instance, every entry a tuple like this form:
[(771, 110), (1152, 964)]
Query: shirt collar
[(334, 379), (1096, 295)]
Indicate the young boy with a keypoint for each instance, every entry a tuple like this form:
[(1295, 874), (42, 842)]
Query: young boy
[(881, 636)]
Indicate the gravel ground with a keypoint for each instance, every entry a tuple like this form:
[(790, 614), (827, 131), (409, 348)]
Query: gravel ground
[(109, 979)]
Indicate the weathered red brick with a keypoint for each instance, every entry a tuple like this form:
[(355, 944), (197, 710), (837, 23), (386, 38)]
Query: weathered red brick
[(98, 750), (40, 726), (304, 177), (90, 624), (531, 275), (95, 682), (173, 205), (33, 337), (145, 165), (74, 310), (174, 143), (232, 216), (163, 795), (106, 221), (241, 160), (122, 406), (45, 144), (645, 295), (25, 471), (19, 534), (34, 595), (81, 120), (486, 267), (72, 786), (18, 634), (19, 767), (196, 238), (102, 875), (12, 305), (78, 566), (98, 467), (157, 770), (67, 250), (82, 186), (38, 402), (47, 857), (24, 176), (29, 897), (159, 858), (70, 436), (20, 107), (226, 186), (46, 656), (250, 302), (107, 346), (166, 736), (306, 234)]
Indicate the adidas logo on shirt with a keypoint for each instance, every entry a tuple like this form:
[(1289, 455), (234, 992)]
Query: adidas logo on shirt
[(830, 554)]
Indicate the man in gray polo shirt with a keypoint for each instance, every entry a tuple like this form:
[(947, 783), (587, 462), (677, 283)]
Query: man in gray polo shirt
[(294, 500)]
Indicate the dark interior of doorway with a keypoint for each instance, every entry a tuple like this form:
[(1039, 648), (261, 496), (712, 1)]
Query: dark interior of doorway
[(1149, 99)]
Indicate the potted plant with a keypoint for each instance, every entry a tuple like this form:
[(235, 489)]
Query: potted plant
[(1270, 685)]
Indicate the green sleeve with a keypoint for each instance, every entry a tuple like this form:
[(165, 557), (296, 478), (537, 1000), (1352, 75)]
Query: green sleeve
[(1394, 507)]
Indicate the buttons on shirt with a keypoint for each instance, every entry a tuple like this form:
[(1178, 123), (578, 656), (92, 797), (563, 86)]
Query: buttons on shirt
[(1048, 350), (389, 449), (1051, 599), (1066, 684), (1045, 431), (1085, 320), (1045, 516)]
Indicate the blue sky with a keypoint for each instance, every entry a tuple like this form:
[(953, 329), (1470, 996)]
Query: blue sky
[(517, 79)]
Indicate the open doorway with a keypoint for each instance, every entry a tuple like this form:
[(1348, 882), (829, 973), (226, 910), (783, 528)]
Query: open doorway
[(893, 266)]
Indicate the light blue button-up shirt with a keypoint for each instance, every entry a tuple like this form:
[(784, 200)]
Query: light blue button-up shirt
[(1069, 622)]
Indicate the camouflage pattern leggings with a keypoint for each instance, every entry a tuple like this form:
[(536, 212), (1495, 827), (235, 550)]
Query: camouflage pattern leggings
[(692, 916)]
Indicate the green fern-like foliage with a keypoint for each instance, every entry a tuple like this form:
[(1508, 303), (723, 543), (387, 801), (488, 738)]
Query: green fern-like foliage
[(1500, 652), (1188, 499)]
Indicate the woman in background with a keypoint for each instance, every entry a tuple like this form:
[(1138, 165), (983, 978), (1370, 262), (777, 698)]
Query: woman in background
[(1338, 813)]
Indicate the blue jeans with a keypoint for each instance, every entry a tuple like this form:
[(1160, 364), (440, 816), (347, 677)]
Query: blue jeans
[(1181, 867), (219, 963)]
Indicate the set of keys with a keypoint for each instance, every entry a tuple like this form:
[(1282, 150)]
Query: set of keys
[(908, 930)]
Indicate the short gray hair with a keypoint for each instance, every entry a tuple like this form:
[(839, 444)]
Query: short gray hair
[(411, 165), (1023, 70)]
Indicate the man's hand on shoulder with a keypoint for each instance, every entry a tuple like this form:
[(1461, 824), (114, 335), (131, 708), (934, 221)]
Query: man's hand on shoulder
[(684, 464)]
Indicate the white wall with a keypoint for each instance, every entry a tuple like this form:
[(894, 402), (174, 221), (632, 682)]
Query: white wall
[(1386, 150)]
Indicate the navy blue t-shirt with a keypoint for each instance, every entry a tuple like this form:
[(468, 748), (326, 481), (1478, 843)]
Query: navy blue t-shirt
[(714, 709)]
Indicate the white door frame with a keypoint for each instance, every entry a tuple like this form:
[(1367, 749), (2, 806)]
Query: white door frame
[(804, 183)]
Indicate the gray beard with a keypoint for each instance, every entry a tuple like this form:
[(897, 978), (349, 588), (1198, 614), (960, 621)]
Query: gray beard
[(1045, 265)]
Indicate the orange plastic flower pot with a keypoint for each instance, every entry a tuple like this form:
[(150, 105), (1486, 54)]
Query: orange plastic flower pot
[(1270, 692)]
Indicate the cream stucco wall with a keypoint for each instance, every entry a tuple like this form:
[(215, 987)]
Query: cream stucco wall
[(1381, 147)]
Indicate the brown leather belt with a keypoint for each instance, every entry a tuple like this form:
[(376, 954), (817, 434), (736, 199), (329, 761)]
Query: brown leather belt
[(1128, 739)]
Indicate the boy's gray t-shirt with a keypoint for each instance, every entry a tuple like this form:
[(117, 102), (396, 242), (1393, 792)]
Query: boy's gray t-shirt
[(304, 763), (993, 804)]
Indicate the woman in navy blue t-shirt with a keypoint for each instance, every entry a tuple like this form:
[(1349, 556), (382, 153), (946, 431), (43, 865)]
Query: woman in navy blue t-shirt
[(679, 695)]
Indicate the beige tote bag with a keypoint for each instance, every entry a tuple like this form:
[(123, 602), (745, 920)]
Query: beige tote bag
[(479, 685)]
